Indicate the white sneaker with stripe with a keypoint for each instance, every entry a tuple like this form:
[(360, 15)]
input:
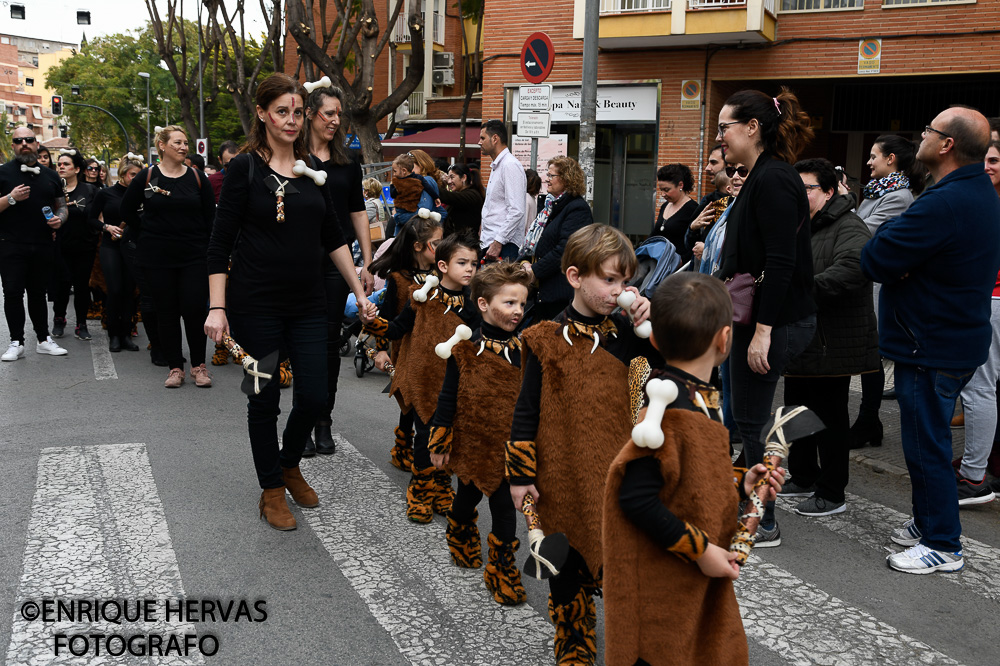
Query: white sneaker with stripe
[(923, 560)]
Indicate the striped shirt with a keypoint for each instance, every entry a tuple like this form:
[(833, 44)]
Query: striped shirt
[(503, 210)]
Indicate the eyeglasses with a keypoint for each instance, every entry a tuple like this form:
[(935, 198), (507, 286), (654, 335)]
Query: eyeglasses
[(724, 126), (23, 139), (928, 128), (812, 187), (741, 170), (92, 168), (553, 175)]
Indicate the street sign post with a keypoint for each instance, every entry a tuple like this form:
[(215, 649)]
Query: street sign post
[(537, 56), (202, 148)]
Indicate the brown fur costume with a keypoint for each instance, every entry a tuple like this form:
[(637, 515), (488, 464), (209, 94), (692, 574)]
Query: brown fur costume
[(584, 417), (487, 390), (657, 606), (419, 377), (405, 286), (408, 191)]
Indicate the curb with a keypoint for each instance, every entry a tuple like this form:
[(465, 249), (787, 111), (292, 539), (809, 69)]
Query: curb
[(879, 465)]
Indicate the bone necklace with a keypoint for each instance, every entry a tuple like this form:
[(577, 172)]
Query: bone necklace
[(281, 189), (452, 301), (600, 331), (499, 346)]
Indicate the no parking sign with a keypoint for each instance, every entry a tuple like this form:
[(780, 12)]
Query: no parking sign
[(691, 94), (869, 56)]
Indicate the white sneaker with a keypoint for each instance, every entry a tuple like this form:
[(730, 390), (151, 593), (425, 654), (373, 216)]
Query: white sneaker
[(14, 352), (923, 560), (50, 347), (908, 535)]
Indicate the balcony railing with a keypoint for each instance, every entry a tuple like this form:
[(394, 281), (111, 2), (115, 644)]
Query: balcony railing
[(401, 33), (709, 4), (417, 105), (815, 5), (630, 6)]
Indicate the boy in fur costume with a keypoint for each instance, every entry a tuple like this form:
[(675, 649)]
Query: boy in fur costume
[(474, 410), (571, 416), (419, 327), (670, 511), (410, 192)]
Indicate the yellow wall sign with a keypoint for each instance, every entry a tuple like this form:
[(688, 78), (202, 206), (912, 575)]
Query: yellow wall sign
[(869, 56), (691, 94)]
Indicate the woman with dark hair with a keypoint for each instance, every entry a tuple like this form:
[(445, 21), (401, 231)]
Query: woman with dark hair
[(464, 196), (178, 208), (78, 245), (327, 136), (44, 157), (675, 182), (565, 212), (276, 298), (768, 240), (896, 177), (105, 217), (92, 172)]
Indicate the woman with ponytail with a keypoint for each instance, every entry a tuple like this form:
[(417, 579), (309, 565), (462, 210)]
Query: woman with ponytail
[(769, 240)]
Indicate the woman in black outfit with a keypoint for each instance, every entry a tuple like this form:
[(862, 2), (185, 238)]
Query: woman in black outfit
[(178, 210), (276, 296), (674, 181), (92, 172), (464, 197), (78, 244), (327, 138), (105, 216), (769, 239), (565, 212)]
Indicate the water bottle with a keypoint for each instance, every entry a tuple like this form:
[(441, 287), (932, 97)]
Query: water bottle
[(47, 212)]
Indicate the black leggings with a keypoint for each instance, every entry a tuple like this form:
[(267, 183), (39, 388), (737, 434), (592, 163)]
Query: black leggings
[(337, 291), (121, 289), (24, 267), (827, 397), (573, 576), (872, 386), (80, 261), (502, 511), (422, 431), (180, 292)]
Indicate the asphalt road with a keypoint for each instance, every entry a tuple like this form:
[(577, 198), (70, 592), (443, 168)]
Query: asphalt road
[(121, 489)]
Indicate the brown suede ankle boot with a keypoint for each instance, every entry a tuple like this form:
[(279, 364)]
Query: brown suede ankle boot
[(274, 509), (301, 491)]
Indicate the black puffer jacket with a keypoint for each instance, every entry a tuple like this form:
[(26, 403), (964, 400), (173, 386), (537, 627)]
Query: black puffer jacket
[(846, 340)]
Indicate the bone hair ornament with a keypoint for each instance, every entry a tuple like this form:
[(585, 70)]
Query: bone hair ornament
[(300, 169), (428, 214), (325, 82), (27, 169), (648, 433), (67, 151), (420, 295), (443, 349), (625, 301), (157, 129), (132, 156)]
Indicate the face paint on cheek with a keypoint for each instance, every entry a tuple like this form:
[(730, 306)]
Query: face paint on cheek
[(503, 319), (273, 121)]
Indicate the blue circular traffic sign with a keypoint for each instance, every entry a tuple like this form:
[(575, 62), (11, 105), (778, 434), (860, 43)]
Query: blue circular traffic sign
[(537, 57)]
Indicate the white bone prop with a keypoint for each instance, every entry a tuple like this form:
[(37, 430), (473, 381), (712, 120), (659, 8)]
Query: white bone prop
[(67, 151), (426, 213), (625, 301), (648, 433), (314, 85), (300, 169), (462, 332), (133, 156), (35, 170), (420, 295), (157, 129)]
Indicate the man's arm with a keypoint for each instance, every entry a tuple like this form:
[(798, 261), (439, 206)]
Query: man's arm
[(61, 212), (903, 243), (515, 186)]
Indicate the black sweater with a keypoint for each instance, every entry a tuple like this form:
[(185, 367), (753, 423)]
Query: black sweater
[(108, 202), (465, 211), (174, 229), (675, 227), (761, 237), (344, 183), (277, 268), (24, 222), (77, 234)]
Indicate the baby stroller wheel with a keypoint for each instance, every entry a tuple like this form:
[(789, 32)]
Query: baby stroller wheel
[(345, 348), (359, 365)]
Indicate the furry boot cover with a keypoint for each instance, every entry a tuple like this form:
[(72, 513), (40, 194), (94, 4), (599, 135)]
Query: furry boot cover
[(464, 543), (443, 493), (502, 577), (420, 495), (576, 637), (401, 454)]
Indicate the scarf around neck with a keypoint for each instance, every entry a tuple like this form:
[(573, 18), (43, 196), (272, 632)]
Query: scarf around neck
[(876, 189)]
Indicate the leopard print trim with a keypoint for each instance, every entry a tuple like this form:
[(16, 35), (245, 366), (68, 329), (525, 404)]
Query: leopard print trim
[(377, 327), (439, 442), (521, 461), (638, 373), (691, 545)]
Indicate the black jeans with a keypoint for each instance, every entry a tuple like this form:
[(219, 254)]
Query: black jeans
[(502, 510), (121, 289), (304, 339), (872, 386), (150, 322), (177, 293), (337, 291), (827, 397), (25, 267), (753, 394), (80, 263)]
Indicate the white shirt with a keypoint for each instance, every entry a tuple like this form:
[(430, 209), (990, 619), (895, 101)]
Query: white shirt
[(504, 208)]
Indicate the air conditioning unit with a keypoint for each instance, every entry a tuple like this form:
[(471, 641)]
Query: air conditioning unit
[(444, 60), (444, 77)]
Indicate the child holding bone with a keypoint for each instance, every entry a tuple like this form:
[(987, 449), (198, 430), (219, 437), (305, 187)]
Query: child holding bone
[(481, 385), (410, 191), (672, 496), (404, 267), (571, 414), (431, 316)]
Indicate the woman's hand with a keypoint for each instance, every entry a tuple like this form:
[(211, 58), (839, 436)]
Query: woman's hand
[(116, 232), (381, 360), (758, 349), (216, 325), (639, 309), (366, 309), (698, 250), (755, 473), (703, 220)]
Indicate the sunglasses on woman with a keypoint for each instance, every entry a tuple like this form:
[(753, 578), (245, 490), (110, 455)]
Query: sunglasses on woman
[(732, 171), (93, 168)]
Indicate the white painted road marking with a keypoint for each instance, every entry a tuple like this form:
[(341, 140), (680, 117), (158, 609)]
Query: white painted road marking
[(97, 531), (435, 612), (104, 365)]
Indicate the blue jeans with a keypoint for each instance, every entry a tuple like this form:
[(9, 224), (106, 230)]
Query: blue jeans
[(926, 400)]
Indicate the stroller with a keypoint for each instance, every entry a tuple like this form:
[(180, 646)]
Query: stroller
[(352, 328), (658, 258)]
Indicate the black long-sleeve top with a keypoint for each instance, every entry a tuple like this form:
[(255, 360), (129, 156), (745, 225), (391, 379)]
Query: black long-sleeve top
[(404, 321), (107, 202), (24, 221), (174, 229), (675, 227), (277, 267), (465, 211), (344, 183), (76, 233), (768, 233), (447, 406)]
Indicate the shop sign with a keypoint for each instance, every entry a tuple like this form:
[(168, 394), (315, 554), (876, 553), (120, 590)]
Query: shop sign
[(533, 124), (691, 94), (614, 104), (869, 56), (548, 148)]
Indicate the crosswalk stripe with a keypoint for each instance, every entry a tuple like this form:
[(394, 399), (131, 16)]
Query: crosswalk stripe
[(871, 523), (436, 613), (97, 531), (806, 625), (104, 365)]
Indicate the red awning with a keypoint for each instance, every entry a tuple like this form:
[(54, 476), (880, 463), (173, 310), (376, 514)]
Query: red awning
[(437, 142)]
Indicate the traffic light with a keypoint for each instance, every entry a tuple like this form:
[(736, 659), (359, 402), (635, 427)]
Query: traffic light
[(57, 105)]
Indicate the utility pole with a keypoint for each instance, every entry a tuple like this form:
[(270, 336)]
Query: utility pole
[(201, 79), (149, 145), (166, 112), (588, 95)]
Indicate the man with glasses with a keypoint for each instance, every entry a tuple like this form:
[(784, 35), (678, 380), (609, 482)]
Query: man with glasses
[(26, 188), (937, 263)]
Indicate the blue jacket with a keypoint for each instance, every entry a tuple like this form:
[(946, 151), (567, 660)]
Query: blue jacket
[(938, 263)]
